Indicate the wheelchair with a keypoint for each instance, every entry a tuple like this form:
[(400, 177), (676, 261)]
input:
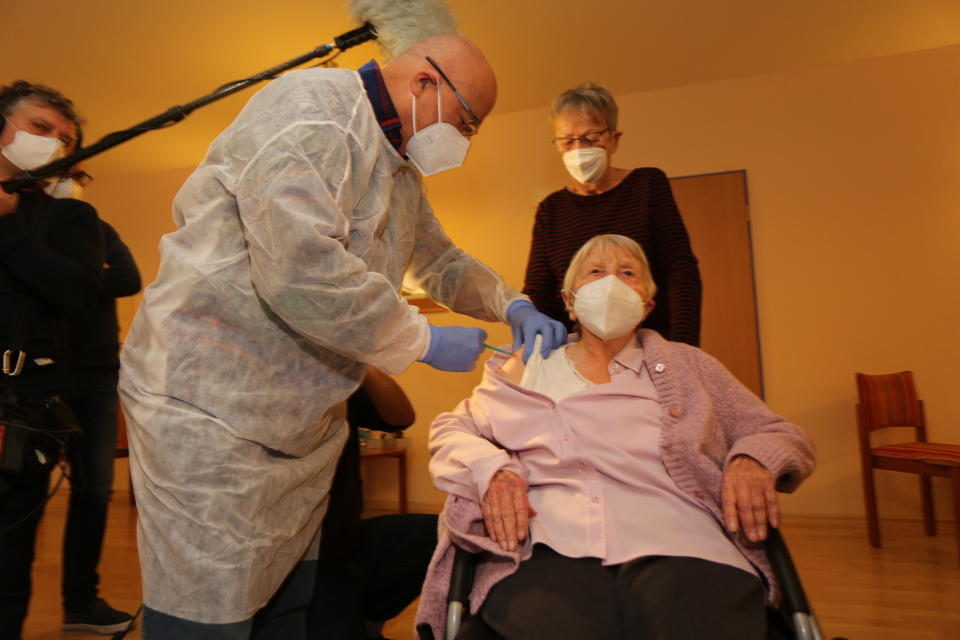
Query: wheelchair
[(793, 621)]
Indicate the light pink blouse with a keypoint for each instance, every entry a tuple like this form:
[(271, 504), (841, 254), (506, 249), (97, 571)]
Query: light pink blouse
[(592, 463)]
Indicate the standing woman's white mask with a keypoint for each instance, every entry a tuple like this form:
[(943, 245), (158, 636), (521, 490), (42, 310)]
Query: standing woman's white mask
[(586, 164), (436, 147), (29, 151), (608, 308)]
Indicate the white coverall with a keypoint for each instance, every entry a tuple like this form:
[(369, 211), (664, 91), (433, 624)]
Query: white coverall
[(277, 289)]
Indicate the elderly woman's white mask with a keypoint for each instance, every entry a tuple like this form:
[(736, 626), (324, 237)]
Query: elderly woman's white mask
[(608, 308)]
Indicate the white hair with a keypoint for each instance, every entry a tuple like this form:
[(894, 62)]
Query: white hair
[(401, 23), (607, 242)]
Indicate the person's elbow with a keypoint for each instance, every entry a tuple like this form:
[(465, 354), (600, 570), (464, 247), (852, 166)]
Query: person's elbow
[(121, 286)]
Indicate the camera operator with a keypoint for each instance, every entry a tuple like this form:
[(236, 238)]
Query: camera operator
[(51, 260)]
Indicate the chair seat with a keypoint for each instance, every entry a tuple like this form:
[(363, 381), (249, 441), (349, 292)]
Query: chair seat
[(930, 452)]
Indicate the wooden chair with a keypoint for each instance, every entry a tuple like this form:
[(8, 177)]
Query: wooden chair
[(890, 400)]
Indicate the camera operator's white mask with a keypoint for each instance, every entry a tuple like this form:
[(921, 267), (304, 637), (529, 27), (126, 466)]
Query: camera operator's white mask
[(436, 147), (65, 188), (29, 151), (608, 307)]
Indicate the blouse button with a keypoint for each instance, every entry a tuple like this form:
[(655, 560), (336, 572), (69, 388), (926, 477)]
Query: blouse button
[(596, 500), (659, 368), (675, 411), (566, 437)]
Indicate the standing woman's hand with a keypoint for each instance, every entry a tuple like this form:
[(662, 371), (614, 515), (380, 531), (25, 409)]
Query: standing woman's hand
[(506, 510), (749, 498)]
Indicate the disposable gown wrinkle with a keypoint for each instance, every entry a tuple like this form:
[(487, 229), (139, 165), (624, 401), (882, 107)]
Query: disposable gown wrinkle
[(453, 278), (277, 288)]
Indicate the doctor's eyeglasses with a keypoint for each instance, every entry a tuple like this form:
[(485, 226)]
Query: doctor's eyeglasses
[(470, 127)]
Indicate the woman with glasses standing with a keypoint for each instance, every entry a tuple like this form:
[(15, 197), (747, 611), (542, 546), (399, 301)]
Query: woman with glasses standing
[(599, 199)]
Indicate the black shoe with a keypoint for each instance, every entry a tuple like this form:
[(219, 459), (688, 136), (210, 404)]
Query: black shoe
[(97, 616)]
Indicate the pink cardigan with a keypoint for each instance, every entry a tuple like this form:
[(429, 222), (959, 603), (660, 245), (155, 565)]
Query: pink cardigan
[(708, 417)]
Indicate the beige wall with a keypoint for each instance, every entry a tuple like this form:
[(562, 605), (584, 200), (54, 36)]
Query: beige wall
[(853, 171)]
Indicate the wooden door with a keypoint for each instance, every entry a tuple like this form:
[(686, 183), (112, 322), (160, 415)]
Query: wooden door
[(716, 212)]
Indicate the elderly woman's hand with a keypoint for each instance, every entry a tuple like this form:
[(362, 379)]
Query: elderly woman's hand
[(749, 498), (506, 510)]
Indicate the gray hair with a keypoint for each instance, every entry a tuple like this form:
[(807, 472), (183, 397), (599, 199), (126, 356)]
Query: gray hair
[(603, 243), (590, 97), (401, 23)]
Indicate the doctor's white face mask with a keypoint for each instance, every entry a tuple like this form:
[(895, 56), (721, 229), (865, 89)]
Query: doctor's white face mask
[(608, 308), (29, 151), (586, 164), (436, 147)]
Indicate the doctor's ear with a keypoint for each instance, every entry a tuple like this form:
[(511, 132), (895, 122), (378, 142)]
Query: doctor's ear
[(420, 82)]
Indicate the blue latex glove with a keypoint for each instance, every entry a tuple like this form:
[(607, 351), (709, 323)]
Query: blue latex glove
[(527, 322), (454, 348)]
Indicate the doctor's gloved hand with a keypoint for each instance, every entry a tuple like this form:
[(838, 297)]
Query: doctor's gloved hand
[(527, 322), (454, 348)]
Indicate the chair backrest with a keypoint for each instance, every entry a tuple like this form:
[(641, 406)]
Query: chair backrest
[(889, 400)]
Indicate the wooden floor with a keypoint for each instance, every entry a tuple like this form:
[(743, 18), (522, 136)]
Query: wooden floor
[(909, 590)]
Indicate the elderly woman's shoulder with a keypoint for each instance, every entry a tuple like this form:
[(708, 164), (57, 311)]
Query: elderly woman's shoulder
[(652, 341), (512, 369)]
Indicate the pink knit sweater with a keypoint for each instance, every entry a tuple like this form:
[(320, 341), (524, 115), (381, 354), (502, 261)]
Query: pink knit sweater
[(708, 417)]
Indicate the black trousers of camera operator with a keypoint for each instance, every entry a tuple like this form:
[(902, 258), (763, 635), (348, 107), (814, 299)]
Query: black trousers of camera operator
[(21, 506)]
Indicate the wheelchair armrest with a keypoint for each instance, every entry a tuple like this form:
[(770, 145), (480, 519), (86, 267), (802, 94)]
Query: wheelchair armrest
[(794, 597), (461, 577), (805, 625)]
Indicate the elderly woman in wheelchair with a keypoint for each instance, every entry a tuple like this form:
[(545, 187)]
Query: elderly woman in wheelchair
[(621, 487)]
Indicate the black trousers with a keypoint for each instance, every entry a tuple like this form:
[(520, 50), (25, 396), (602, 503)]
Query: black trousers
[(94, 403), (21, 500), (382, 576), (657, 598)]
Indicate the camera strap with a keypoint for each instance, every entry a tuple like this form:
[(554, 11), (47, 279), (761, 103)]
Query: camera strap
[(14, 354)]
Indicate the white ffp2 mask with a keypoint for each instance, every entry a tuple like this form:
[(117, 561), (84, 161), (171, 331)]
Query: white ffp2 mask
[(29, 151), (586, 164), (65, 188), (608, 308), (436, 147)]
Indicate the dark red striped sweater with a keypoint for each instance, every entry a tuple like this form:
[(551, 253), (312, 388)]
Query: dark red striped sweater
[(641, 207)]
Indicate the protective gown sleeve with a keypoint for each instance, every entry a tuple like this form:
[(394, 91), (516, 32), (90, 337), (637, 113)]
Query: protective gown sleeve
[(453, 278), (295, 198)]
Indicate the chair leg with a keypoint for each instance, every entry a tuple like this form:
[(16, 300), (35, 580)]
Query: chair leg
[(926, 494), (955, 478), (870, 502)]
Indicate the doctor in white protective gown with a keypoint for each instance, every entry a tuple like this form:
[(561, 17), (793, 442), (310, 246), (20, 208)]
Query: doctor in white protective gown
[(278, 288)]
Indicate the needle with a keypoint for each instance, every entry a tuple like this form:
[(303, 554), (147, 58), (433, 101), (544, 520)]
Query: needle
[(497, 349)]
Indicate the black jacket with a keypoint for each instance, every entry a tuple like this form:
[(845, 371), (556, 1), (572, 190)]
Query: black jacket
[(51, 254), (94, 333)]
